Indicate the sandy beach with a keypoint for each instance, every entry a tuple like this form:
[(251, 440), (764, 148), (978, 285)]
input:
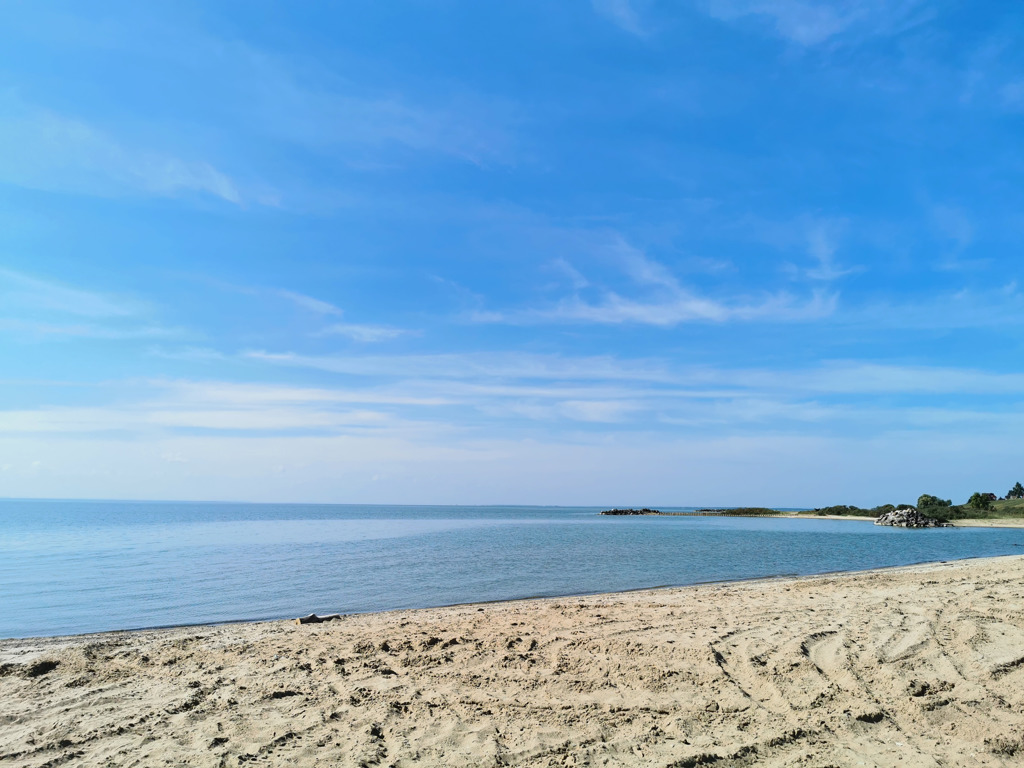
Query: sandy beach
[(918, 666)]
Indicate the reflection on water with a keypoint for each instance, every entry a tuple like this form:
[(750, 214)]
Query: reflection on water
[(68, 567)]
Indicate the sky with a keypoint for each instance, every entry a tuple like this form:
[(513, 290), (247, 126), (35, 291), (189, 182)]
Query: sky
[(707, 252)]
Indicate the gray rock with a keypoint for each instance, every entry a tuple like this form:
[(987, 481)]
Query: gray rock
[(910, 518)]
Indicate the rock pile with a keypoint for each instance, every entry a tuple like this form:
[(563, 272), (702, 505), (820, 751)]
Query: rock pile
[(910, 518)]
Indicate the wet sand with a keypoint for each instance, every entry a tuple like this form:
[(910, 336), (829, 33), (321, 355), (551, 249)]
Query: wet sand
[(919, 666)]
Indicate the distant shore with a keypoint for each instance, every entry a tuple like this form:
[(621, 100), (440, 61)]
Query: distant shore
[(995, 522), (878, 667)]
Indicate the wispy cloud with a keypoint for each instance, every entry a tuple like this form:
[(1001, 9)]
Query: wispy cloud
[(622, 13), (679, 308), (953, 224), (259, 395), (661, 300), (566, 270), (432, 414), (482, 366), (28, 292), (363, 333), (822, 244), (139, 418), (447, 393), (862, 378), (317, 306), (65, 154), (809, 23), (37, 309), (314, 109), (956, 232), (30, 330), (478, 373), (1012, 95), (227, 407)]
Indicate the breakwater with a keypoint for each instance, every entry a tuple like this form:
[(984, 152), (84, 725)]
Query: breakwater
[(730, 512)]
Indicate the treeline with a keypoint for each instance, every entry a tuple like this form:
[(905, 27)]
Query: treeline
[(844, 510), (979, 505)]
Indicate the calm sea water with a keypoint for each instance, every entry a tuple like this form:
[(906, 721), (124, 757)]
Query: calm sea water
[(69, 567)]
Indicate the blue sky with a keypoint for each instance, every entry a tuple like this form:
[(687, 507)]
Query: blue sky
[(608, 252)]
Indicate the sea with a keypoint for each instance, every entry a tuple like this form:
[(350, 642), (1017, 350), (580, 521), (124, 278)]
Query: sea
[(70, 567)]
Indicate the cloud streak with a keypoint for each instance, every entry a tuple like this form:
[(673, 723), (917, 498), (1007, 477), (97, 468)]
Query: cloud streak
[(310, 304), (313, 109), (59, 153), (622, 14), (363, 333), (41, 309), (28, 292), (662, 301), (514, 398), (811, 24)]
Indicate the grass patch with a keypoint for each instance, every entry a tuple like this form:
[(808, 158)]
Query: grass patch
[(1008, 508)]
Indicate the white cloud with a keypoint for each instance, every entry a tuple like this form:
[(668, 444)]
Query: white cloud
[(363, 333), (822, 244), (309, 303), (313, 109), (576, 278), (22, 291), (805, 23), (641, 269), (681, 307), (40, 309), (989, 307), (956, 230), (766, 469), (602, 411), (621, 13), (143, 418), (1012, 95), (159, 407), (865, 378), (810, 23), (476, 366), (435, 416), (663, 302), (254, 395), (953, 224), (28, 329), (53, 152)]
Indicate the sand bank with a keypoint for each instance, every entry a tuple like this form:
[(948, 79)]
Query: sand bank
[(919, 666)]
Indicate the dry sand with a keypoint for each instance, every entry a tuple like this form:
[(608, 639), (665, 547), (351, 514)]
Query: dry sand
[(919, 666)]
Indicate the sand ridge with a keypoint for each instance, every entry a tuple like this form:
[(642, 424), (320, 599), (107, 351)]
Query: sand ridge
[(920, 666)]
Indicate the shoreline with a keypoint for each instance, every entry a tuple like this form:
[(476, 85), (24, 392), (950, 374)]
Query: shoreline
[(916, 665), (660, 588), (653, 590), (976, 522)]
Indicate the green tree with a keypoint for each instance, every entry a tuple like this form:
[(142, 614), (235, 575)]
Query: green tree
[(1017, 492), (979, 501), (941, 509), (927, 501)]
